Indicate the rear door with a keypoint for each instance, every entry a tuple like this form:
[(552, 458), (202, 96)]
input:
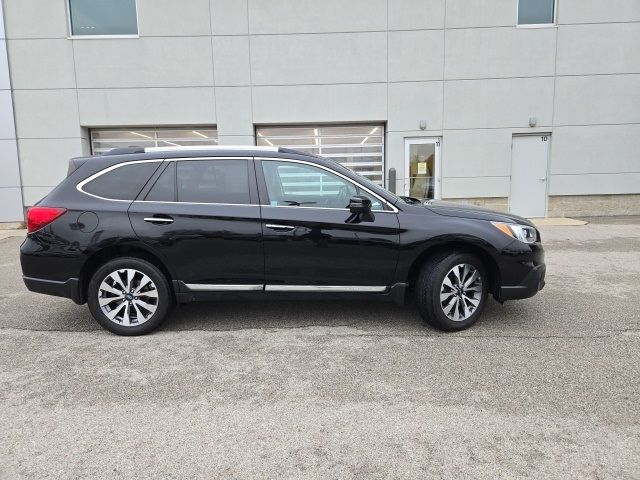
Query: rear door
[(202, 216)]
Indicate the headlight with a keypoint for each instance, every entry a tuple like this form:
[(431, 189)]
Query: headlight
[(524, 233)]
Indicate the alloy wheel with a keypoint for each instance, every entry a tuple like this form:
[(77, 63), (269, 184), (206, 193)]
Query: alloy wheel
[(460, 292), (128, 297)]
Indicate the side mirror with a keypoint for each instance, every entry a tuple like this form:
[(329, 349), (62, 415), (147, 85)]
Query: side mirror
[(359, 205)]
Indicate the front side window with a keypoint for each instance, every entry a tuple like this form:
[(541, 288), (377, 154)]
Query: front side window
[(213, 181), (103, 17), (121, 183), (536, 12), (301, 185)]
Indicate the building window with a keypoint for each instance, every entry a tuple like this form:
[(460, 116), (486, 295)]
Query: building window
[(103, 17), (358, 147), (104, 140), (536, 12)]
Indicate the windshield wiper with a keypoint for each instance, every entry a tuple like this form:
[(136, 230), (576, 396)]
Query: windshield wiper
[(410, 200), (293, 203)]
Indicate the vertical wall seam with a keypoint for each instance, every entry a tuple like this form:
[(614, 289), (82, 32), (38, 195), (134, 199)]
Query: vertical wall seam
[(253, 120), (213, 71), (385, 180), (75, 67), (444, 63), (13, 108), (440, 176)]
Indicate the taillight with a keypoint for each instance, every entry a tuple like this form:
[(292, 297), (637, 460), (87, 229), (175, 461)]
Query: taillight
[(38, 217)]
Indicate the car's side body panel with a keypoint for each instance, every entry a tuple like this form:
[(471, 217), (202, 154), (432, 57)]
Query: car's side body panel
[(324, 248), (213, 247), (205, 243)]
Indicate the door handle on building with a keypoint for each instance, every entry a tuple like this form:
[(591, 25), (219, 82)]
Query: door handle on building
[(542, 179)]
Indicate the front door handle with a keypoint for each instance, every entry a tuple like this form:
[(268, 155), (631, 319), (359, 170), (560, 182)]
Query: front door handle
[(159, 219), (279, 228)]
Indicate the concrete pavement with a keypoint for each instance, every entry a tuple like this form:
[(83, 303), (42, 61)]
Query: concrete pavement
[(547, 387)]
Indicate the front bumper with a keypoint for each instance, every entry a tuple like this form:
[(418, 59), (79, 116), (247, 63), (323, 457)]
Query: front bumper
[(68, 289), (531, 284)]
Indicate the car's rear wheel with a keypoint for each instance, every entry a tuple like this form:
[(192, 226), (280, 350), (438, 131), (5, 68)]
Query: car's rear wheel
[(451, 291), (129, 296)]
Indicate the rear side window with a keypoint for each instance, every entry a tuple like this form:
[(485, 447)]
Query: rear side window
[(164, 190), (122, 183), (213, 181)]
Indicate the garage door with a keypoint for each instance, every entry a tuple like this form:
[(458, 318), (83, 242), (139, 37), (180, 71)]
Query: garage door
[(358, 147), (103, 140)]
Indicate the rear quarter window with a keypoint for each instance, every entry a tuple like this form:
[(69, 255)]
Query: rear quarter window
[(122, 183)]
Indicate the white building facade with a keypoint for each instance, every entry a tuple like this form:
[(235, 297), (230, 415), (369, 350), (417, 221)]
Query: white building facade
[(531, 106)]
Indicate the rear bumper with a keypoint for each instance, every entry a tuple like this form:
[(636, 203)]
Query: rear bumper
[(68, 289), (531, 284)]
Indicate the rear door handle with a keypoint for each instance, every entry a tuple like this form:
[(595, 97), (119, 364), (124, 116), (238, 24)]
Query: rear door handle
[(159, 219), (279, 228)]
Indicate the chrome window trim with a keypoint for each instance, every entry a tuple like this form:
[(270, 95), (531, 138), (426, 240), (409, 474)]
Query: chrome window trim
[(323, 208), (326, 288), (118, 165), (198, 203), (107, 170), (224, 287), (278, 159)]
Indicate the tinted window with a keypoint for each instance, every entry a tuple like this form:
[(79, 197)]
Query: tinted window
[(122, 183), (298, 184), (213, 181), (535, 12), (103, 17), (164, 190)]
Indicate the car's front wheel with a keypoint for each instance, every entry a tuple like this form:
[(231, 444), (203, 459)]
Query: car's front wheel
[(451, 290), (129, 296)]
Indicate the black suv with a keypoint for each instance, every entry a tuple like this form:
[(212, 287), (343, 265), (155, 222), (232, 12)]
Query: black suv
[(136, 230)]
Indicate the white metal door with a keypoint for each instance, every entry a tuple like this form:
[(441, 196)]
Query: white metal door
[(529, 158), (422, 167)]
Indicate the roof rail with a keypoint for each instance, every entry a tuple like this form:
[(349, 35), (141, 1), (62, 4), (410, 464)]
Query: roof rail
[(239, 148), (125, 150), (296, 152)]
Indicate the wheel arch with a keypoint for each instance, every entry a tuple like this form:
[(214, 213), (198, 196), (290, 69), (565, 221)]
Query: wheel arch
[(100, 257), (456, 246)]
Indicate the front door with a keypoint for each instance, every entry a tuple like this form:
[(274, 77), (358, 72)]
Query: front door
[(311, 242), (202, 217), (529, 157), (422, 167)]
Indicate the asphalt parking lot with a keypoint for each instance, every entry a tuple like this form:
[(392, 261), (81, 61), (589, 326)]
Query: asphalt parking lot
[(547, 387)]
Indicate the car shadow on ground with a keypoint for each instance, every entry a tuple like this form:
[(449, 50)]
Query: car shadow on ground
[(369, 316)]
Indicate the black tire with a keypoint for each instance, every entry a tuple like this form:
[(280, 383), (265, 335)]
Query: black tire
[(163, 303), (429, 283)]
